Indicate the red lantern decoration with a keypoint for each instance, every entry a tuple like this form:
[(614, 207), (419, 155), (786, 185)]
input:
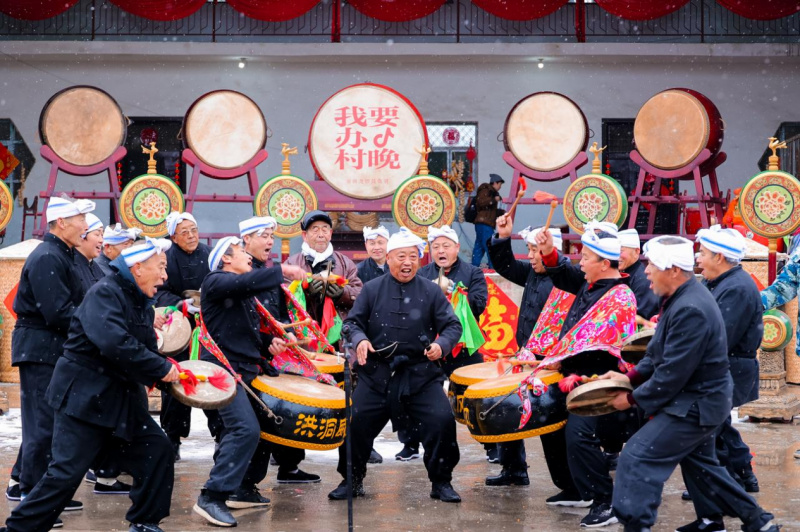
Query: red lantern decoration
[(273, 10), (471, 155), (520, 9), (163, 10), (641, 10), (763, 9), (28, 10), (394, 11)]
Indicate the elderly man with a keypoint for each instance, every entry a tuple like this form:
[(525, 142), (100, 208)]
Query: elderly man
[(98, 394), (231, 316), (684, 386), (444, 249), (375, 241), (401, 326), (533, 276), (187, 266), (88, 250), (629, 263), (316, 254), (49, 293), (487, 199), (115, 239)]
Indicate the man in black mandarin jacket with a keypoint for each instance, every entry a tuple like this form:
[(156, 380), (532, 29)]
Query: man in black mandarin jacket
[(374, 265), (684, 385), (98, 395)]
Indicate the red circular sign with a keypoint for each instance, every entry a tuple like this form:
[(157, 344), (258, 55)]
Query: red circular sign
[(451, 136)]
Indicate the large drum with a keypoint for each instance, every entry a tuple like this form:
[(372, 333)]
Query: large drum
[(674, 126), (312, 413), (492, 410), (225, 129), (332, 365), (545, 131), (83, 125), (205, 395)]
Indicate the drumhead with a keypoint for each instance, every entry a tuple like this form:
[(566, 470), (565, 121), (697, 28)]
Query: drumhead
[(300, 390), (176, 334), (326, 363), (639, 339), (546, 131), (474, 373), (671, 129), (83, 125), (591, 399), (206, 395), (225, 129)]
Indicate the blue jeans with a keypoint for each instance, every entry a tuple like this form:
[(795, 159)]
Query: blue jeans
[(483, 233)]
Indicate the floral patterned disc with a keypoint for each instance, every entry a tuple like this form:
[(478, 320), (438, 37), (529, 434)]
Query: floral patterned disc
[(777, 330), (287, 199), (769, 204), (6, 206), (147, 200), (595, 197), (423, 201)]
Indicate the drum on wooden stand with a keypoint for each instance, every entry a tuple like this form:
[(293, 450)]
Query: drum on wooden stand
[(205, 395), (545, 131), (674, 126), (175, 335), (83, 125), (312, 414)]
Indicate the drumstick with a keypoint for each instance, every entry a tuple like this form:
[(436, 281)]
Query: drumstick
[(524, 362), (301, 323), (298, 343), (520, 192)]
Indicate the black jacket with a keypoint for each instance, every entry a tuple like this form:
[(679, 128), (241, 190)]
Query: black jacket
[(88, 272), (109, 357), (569, 278), (471, 276), (739, 301), (646, 301), (273, 299), (388, 311), (368, 270), (104, 263), (48, 294), (231, 316), (185, 271), (687, 359), (537, 285)]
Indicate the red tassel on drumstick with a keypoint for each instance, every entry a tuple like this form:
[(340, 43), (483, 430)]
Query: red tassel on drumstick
[(520, 192)]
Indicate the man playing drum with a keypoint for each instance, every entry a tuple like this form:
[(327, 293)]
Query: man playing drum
[(401, 326), (115, 239), (256, 233), (533, 276), (374, 265), (233, 323), (98, 394), (684, 386)]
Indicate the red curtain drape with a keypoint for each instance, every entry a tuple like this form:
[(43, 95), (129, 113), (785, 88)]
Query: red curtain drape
[(273, 10), (520, 9), (163, 10), (641, 9), (397, 10), (35, 9), (762, 9)]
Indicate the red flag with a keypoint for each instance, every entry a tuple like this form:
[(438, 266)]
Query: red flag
[(499, 323)]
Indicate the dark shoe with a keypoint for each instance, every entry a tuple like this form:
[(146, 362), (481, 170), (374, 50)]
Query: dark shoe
[(58, 524), (90, 477), (611, 460), (214, 511), (600, 514), (493, 455), (144, 528), (13, 493), (176, 448), (444, 492), (298, 476), (340, 493), (572, 500), (375, 458), (748, 479), (703, 525), (685, 496), (408, 453), (246, 498), (117, 488), (509, 478), (73, 506)]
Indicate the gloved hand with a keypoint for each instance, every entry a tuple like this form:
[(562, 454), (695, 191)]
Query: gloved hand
[(334, 291), (190, 308), (315, 286)]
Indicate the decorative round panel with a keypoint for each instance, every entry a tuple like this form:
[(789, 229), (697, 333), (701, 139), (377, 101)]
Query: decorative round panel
[(422, 202), (769, 204), (287, 199), (147, 200), (6, 206), (777, 330), (595, 197)]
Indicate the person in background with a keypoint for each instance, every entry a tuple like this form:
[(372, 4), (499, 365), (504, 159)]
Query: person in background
[(375, 241), (486, 200), (115, 239), (88, 251), (629, 263)]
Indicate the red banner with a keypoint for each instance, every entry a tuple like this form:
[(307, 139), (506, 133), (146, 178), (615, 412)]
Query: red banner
[(7, 162), (499, 323), (9, 300)]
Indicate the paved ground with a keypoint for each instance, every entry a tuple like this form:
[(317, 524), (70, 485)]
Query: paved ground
[(398, 492)]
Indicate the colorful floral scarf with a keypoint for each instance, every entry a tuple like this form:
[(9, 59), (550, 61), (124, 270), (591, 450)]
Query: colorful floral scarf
[(548, 326)]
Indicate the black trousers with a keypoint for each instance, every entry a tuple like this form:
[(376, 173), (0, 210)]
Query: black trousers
[(652, 454), (37, 423), (554, 446), (430, 420), (512, 455), (148, 457), (732, 451), (586, 437)]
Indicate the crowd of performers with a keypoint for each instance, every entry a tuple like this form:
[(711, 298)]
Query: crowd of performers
[(86, 349)]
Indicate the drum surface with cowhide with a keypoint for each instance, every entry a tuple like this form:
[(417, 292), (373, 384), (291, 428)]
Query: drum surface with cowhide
[(312, 413), (492, 410), (83, 125), (175, 335), (545, 131), (225, 129), (331, 364), (674, 126), (205, 395), (591, 399), (462, 378)]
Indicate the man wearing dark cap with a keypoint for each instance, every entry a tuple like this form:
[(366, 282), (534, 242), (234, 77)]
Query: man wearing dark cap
[(486, 201), (314, 257)]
